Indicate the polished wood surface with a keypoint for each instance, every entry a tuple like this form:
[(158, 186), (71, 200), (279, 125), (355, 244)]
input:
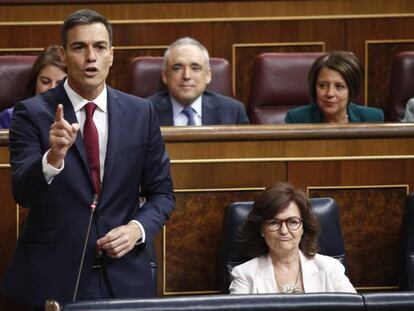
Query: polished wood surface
[(202, 9)]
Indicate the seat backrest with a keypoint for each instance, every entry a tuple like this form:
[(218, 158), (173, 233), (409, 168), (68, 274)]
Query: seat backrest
[(401, 85), (14, 77), (330, 239), (407, 245), (144, 77), (279, 83)]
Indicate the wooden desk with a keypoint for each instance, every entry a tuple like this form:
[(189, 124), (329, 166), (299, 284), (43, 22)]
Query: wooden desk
[(368, 169)]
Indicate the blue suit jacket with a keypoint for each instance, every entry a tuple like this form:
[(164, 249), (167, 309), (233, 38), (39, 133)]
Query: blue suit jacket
[(312, 114), (48, 251), (216, 109), (5, 117)]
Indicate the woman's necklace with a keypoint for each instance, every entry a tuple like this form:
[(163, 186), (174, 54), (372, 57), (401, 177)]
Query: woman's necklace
[(342, 121), (290, 288)]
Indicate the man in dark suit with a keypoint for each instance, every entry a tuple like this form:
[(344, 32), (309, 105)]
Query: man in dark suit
[(118, 155), (186, 73)]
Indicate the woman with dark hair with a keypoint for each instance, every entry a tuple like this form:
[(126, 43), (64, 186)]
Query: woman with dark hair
[(335, 80), (47, 71), (281, 234)]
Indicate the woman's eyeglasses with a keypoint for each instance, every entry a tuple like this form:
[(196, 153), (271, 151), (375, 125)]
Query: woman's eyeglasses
[(292, 223)]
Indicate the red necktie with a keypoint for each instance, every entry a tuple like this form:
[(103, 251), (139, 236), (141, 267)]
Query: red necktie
[(90, 138)]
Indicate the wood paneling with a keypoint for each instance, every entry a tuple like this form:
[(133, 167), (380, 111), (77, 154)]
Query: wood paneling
[(371, 221), (212, 9), (8, 218), (379, 56), (368, 168), (29, 36), (373, 39), (192, 239), (350, 173), (215, 175)]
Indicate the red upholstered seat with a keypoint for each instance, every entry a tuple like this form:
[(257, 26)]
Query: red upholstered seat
[(144, 77), (14, 76), (279, 83), (401, 85)]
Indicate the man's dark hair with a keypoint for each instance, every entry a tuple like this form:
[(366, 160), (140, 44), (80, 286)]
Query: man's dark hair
[(84, 17)]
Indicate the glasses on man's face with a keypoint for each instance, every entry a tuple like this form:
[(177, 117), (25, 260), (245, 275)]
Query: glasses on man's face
[(292, 223)]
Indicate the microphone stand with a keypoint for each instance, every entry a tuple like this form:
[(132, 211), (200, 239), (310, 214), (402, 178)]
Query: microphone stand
[(92, 207)]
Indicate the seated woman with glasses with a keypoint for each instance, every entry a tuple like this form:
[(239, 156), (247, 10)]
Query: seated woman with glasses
[(281, 234)]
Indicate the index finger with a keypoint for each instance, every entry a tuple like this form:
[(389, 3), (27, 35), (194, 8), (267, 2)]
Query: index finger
[(59, 113)]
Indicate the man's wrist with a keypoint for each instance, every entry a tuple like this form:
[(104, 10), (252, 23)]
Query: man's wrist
[(49, 171), (141, 229), (53, 160)]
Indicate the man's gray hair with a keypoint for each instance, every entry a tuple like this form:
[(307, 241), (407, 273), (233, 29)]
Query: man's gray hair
[(186, 41)]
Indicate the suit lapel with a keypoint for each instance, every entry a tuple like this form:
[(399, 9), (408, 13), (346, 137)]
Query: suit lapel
[(114, 130), (165, 111), (266, 276), (316, 114), (353, 115), (210, 113), (311, 277)]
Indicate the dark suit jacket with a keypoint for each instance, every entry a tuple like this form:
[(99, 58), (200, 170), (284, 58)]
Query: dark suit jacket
[(312, 114), (5, 117), (48, 251), (216, 109)]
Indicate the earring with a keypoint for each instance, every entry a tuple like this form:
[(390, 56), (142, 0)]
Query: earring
[(262, 234)]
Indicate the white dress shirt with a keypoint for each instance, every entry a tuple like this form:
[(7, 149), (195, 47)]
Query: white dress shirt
[(180, 118)]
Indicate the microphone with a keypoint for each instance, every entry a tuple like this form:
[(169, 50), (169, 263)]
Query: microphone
[(92, 207)]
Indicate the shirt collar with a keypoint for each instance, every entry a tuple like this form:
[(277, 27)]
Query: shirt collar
[(178, 108), (78, 101)]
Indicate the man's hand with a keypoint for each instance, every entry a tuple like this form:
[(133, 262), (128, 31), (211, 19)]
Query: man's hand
[(62, 135), (120, 240)]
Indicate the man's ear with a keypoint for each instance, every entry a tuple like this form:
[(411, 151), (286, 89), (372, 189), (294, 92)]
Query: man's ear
[(164, 76), (112, 55), (209, 75), (62, 53)]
